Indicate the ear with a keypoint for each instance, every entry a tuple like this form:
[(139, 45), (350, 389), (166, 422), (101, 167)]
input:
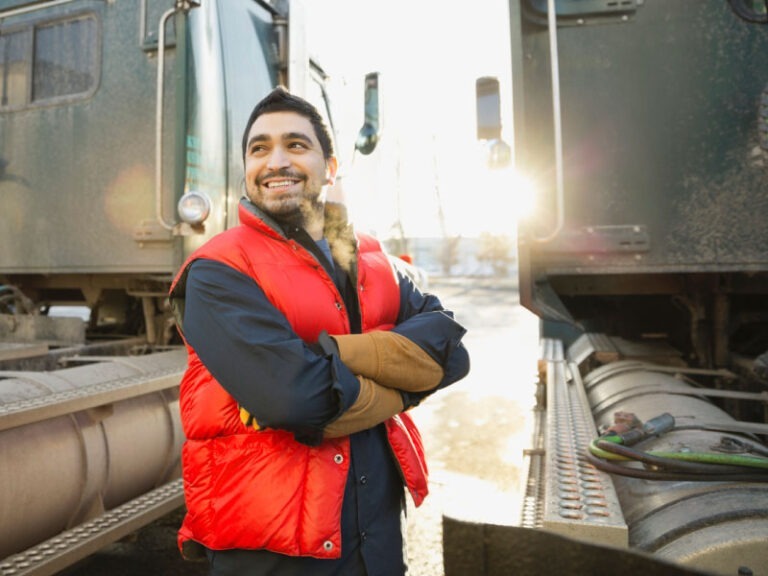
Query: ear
[(331, 167)]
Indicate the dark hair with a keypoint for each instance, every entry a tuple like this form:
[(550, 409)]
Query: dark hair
[(280, 100)]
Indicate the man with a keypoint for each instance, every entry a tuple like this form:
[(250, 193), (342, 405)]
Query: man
[(306, 346)]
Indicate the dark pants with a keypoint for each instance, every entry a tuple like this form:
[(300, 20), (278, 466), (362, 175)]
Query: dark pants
[(263, 563)]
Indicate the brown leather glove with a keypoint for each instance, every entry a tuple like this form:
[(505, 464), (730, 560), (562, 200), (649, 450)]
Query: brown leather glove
[(390, 359), (374, 405)]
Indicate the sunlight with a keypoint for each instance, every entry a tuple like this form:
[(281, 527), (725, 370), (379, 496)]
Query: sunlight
[(427, 177)]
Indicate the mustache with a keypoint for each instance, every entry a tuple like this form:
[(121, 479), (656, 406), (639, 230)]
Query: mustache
[(282, 173)]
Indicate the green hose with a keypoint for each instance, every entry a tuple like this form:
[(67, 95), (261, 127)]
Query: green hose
[(698, 457)]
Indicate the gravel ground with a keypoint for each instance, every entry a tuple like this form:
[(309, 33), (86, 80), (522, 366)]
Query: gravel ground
[(475, 431), (474, 434)]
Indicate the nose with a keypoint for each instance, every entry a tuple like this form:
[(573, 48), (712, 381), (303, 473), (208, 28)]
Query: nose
[(278, 158)]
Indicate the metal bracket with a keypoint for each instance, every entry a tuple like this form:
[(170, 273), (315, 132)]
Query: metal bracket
[(631, 238), (581, 12)]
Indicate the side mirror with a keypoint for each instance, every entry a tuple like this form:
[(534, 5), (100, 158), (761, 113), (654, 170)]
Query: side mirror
[(368, 136), (488, 108), (499, 154), (488, 97)]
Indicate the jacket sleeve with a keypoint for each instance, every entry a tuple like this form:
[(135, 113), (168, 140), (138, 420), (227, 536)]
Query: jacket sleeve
[(252, 351), (427, 323), (390, 359), (422, 354)]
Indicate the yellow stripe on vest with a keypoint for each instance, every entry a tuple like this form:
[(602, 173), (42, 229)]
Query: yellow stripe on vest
[(248, 420)]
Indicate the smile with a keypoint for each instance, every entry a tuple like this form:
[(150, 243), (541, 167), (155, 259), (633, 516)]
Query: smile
[(280, 184)]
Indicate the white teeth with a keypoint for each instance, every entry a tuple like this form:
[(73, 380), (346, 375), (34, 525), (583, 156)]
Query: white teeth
[(280, 184)]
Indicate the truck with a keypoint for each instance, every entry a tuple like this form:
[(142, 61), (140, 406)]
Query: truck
[(642, 126), (120, 153)]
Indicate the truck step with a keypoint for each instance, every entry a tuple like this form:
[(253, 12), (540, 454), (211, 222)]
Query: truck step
[(77, 543), (579, 500)]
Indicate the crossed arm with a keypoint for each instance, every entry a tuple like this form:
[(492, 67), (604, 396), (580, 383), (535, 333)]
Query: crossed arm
[(280, 382)]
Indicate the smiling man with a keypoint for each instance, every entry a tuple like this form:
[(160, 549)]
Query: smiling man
[(306, 347), (286, 169)]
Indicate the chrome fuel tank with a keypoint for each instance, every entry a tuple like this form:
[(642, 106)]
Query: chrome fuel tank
[(82, 440), (717, 525)]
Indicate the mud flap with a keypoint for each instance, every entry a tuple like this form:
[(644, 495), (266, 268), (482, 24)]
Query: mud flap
[(491, 550)]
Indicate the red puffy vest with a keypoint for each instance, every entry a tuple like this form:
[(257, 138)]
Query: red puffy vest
[(263, 490)]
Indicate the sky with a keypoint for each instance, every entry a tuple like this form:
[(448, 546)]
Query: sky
[(428, 175)]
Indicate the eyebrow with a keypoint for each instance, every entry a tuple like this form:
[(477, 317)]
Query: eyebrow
[(287, 136)]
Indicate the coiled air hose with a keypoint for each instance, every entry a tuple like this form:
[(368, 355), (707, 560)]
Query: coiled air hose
[(610, 454)]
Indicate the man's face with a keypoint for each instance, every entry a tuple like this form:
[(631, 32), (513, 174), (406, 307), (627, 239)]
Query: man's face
[(285, 170)]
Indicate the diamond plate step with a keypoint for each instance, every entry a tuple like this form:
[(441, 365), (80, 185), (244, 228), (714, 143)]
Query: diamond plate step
[(579, 501), (63, 550), (31, 410)]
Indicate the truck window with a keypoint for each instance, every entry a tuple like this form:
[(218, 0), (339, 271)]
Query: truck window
[(13, 69), (65, 59), (49, 61)]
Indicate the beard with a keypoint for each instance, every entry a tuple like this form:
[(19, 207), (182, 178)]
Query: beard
[(301, 216), (296, 208)]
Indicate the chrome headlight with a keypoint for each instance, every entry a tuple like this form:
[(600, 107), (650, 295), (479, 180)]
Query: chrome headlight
[(194, 207)]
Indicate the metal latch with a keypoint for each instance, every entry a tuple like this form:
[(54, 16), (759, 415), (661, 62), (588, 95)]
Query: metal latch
[(631, 238), (580, 12)]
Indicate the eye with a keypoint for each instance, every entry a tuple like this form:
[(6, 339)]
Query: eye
[(297, 145)]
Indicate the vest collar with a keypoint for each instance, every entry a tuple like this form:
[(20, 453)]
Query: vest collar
[(254, 217)]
